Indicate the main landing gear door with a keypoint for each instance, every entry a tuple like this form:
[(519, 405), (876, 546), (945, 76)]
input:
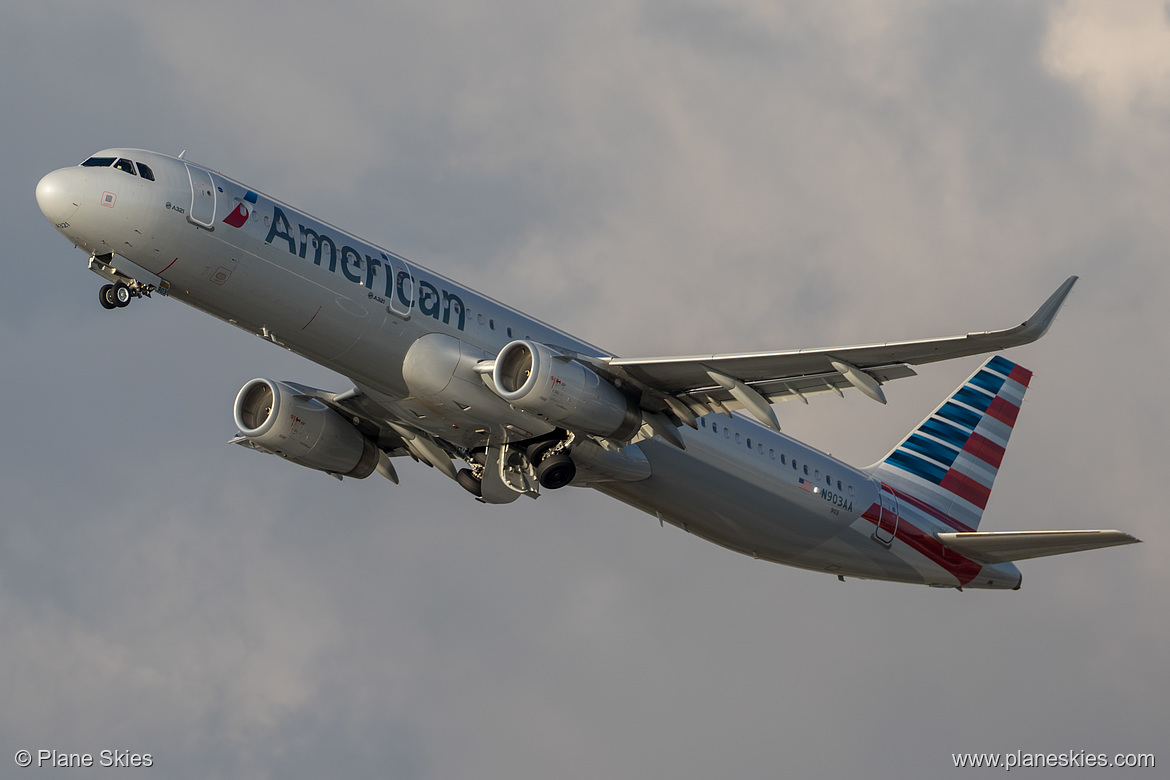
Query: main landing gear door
[(202, 211), (402, 295)]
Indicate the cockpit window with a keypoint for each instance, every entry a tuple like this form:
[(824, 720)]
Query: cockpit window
[(145, 172), (98, 162), (125, 165)]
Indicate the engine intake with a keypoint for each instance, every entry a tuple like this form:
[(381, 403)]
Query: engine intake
[(537, 380), (285, 421)]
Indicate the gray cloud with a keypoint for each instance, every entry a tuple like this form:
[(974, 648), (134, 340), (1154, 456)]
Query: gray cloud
[(656, 177)]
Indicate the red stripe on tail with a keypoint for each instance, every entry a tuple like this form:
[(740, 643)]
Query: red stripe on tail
[(1021, 375), (986, 450), (963, 569), (1004, 411), (966, 488)]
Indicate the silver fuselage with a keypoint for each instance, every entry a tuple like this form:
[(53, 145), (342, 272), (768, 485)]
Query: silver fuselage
[(357, 308)]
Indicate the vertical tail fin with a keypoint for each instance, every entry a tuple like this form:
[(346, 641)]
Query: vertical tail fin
[(951, 459)]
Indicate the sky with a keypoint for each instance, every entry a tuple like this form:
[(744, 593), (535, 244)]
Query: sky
[(657, 178)]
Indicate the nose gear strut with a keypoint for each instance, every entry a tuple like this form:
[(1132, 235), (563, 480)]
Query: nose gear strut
[(122, 289)]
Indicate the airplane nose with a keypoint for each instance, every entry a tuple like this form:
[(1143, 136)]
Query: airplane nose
[(59, 194)]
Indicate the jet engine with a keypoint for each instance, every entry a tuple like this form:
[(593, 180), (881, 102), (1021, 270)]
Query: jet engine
[(557, 388), (283, 420)]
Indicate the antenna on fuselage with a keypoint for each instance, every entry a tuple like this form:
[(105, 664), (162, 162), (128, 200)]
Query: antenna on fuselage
[(182, 153)]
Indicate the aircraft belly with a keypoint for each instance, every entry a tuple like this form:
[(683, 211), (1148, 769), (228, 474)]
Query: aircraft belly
[(719, 500), (748, 511)]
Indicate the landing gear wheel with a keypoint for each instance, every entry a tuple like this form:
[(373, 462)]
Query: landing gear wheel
[(106, 297), (536, 452), (556, 471), (121, 295), (468, 482)]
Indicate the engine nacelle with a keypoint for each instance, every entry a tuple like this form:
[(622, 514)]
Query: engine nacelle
[(533, 378), (285, 421), (439, 370)]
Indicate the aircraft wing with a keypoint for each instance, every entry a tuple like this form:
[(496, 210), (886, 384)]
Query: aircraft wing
[(1004, 546), (755, 379)]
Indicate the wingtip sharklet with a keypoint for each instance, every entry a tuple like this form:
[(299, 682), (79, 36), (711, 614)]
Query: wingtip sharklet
[(1037, 325), (1032, 328)]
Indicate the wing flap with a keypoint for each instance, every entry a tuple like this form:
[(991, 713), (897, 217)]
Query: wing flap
[(1005, 546)]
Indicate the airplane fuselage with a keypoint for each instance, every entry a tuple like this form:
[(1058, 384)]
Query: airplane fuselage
[(359, 309)]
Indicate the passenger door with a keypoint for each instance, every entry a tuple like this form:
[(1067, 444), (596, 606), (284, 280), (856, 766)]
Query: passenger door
[(202, 211)]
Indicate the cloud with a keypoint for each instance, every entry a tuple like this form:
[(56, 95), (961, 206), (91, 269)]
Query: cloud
[(658, 178), (1120, 60)]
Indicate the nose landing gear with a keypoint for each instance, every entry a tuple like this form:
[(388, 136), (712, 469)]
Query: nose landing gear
[(122, 288)]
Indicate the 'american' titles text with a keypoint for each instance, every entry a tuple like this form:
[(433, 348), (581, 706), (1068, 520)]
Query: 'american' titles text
[(363, 268)]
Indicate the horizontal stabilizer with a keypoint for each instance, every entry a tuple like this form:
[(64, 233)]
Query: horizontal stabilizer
[(1004, 546)]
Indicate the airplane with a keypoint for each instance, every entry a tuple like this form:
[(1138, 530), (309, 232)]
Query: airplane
[(442, 373)]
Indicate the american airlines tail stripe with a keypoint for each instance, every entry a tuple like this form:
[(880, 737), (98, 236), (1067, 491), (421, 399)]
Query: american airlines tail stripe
[(1012, 392), (970, 466), (1001, 364), (963, 569), (995, 431), (966, 488), (905, 499), (959, 415), (1021, 375), (986, 450), (976, 399), (1004, 411), (988, 381), (919, 467), (1009, 369), (932, 449), (945, 431), (954, 487)]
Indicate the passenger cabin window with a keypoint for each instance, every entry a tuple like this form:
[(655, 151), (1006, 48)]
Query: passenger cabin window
[(145, 172), (125, 165), (98, 162)]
